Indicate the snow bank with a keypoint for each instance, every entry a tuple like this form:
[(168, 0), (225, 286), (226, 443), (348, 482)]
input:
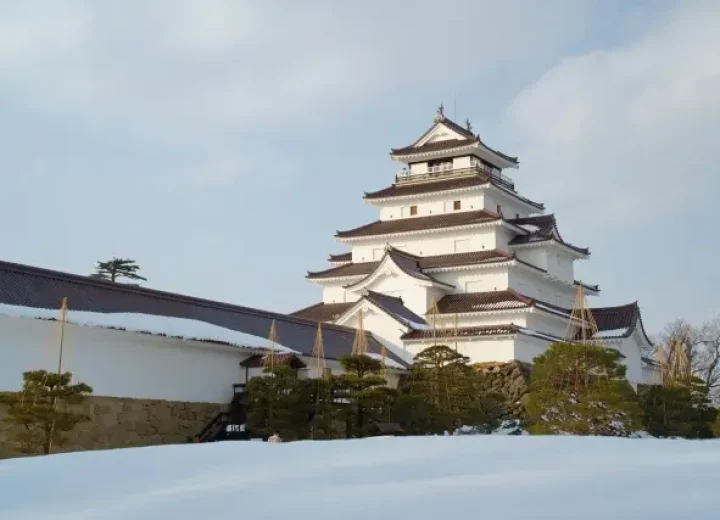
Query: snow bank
[(147, 324), (421, 478)]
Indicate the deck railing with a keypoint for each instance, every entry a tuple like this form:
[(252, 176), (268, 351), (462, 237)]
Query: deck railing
[(404, 176)]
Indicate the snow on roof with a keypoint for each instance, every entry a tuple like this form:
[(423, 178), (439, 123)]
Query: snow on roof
[(612, 333), (146, 324)]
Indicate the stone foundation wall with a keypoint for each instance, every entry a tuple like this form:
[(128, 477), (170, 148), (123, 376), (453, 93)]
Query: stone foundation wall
[(512, 381), (121, 423)]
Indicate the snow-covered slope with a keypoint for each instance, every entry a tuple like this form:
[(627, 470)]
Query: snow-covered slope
[(438, 478)]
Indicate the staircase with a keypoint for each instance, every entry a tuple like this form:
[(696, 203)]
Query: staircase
[(230, 424)]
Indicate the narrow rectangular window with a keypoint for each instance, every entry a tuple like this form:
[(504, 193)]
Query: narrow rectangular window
[(456, 205), (499, 209), (413, 210)]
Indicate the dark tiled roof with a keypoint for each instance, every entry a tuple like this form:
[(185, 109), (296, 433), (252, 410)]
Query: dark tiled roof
[(460, 259), (490, 330), (426, 262), (435, 146), (541, 229), (445, 220), (343, 257), (359, 269), (407, 189), (402, 190), (470, 138), (261, 360), (594, 288), (482, 301), (323, 312), (409, 264), (394, 306), (620, 318), (29, 286), (329, 312)]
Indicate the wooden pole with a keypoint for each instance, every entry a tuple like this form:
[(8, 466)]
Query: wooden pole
[(63, 320)]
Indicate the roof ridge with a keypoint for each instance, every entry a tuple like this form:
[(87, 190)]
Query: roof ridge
[(396, 298), (401, 252), (468, 216), (155, 293)]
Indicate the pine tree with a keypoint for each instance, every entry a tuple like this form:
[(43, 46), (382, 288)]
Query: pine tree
[(279, 402), (716, 425), (118, 268), (41, 410), (326, 417), (443, 392), (362, 395), (677, 410), (582, 390)]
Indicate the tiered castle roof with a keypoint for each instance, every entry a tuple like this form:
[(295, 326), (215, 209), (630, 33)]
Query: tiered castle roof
[(465, 182), (414, 263), (446, 160), (391, 305), (467, 142)]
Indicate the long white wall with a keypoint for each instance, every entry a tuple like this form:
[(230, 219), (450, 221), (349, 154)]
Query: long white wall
[(119, 363)]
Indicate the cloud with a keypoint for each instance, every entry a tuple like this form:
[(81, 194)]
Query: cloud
[(620, 143), (625, 133), (174, 71)]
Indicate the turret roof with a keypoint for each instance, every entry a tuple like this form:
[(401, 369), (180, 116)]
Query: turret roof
[(435, 186), (541, 228), (426, 262), (405, 225), (323, 312), (392, 305), (342, 257), (467, 138)]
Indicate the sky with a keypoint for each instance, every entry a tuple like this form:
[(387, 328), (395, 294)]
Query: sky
[(221, 143)]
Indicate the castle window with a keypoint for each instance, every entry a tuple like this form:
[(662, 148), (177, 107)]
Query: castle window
[(456, 205), (413, 210), (499, 209)]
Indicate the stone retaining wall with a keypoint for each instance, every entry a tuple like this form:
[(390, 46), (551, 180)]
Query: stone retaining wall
[(121, 423), (512, 381)]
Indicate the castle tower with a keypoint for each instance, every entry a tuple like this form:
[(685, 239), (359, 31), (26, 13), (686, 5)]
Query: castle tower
[(452, 228)]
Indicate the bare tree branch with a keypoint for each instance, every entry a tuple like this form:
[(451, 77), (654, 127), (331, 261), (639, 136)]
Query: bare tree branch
[(702, 347)]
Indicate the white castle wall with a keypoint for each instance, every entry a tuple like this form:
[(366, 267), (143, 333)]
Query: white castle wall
[(477, 280), (519, 318), (427, 244), (554, 260), (441, 203), (533, 285), (118, 363), (385, 329), (335, 292), (433, 205)]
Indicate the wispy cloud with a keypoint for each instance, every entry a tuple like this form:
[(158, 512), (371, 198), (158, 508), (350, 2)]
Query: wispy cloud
[(626, 132)]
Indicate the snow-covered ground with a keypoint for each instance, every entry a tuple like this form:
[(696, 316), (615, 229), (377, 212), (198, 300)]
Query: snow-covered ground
[(439, 478)]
